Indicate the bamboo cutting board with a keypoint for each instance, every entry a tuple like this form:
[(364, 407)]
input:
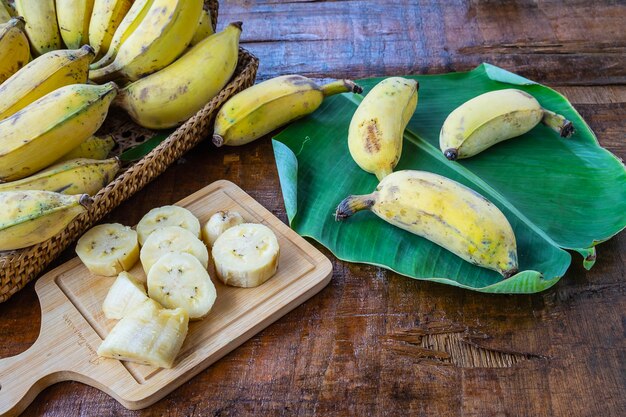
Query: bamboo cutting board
[(73, 325)]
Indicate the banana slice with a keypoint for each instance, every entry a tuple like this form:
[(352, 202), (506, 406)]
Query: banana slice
[(108, 249), (246, 255), (180, 280), (124, 296), (172, 239), (149, 336), (218, 224), (167, 216)]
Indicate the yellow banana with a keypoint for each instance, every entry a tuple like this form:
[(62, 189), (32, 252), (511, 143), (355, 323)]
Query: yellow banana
[(41, 25), (94, 147), (494, 117), (271, 104), (78, 176), (6, 11), (43, 75), (204, 29), (73, 17), (105, 19), (170, 96), (33, 216), (444, 212), (377, 126), (14, 48), (159, 39), (49, 128)]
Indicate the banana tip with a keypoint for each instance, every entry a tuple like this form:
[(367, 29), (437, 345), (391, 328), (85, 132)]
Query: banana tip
[(89, 49), (218, 140), (509, 273), (357, 89), (85, 200), (567, 130), (452, 154), (238, 25)]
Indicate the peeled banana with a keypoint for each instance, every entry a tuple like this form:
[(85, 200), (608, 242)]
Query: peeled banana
[(105, 19), (377, 127), (30, 217), (78, 176), (108, 249), (271, 104), (73, 17), (14, 48), (494, 117), (444, 212), (158, 40), (43, 75), (49, 128), (125, 295), (172, 239), (41, 25), (160, 217), (246, 255), (172, 95), (149, 335), (94, 147), (204, 29), (179, 280), (218, 224)]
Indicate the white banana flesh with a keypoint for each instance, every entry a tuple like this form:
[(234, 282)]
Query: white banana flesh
[(164, 216), (218, 224), (179, 280), (246, 255), (149, 336), (108, 249), (126, 295), (172, 239)]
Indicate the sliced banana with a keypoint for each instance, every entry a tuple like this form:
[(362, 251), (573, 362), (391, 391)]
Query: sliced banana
[(149, 335), (246, 255), (167, 216), (108, 249), (218, 224), (180, 280), (172, 239), (124, 296)]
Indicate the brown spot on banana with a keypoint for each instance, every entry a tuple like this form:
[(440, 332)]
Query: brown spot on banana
[(373, 136)]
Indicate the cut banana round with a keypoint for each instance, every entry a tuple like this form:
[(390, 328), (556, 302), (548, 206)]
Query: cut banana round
[(172, 239), (180, 280), (246, 255), (108, 249), (125, 295), (218, 224), (167, 216)]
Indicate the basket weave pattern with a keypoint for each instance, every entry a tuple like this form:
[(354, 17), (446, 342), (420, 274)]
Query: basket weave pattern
[(18, 267)]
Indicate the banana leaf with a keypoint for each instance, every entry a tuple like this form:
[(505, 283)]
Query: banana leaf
[(558, 194)]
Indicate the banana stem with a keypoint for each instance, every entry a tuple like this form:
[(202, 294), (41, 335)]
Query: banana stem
[(341, 86), (558, 123), (85, 201), (352, 204), (218, 140)]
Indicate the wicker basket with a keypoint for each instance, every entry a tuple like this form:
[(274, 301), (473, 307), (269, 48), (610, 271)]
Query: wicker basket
[(20, 266)]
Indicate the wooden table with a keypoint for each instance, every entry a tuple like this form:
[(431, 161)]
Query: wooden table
[(373, 342)]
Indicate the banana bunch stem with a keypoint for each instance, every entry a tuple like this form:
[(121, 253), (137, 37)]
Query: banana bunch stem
[(558, 123)]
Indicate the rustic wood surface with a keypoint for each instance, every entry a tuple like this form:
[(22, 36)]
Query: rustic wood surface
[(373, 342)]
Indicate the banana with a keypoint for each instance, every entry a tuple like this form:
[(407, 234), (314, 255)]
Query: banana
[(159, 39), (73, 17), (271, 104), (178, 280), (7, 12), (204, 29), (377, 126), (105, 19), (14, 48), (444, 212), (41, 25), (167, 216), (108, 249), (246, 255), (149, 335), (125, 295), (494, 117), (94, 147), (78, 176), (33, 216), (172, 239), (43, 75), (172, 95), (218, 224), (49, 128)]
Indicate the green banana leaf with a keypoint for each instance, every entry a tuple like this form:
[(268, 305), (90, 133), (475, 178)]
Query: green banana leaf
[(557, 193)]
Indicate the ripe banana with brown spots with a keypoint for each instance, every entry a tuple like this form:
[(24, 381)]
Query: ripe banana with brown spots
[(14, 48)]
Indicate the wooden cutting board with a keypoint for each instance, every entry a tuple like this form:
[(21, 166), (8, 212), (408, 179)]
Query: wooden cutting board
[(73, 325)]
